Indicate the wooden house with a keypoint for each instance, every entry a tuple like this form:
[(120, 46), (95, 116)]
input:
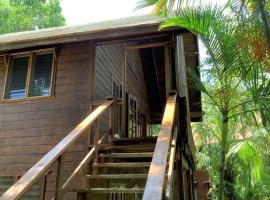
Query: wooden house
[(98, 111)]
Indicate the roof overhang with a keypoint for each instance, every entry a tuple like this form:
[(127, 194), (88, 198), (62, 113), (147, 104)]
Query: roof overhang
[(94, 31)]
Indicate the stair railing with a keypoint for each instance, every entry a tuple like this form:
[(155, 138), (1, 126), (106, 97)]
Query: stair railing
[(56, 155), (166, 141)]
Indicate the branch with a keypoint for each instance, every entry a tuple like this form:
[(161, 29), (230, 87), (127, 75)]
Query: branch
[(247, 102), (242, 113)]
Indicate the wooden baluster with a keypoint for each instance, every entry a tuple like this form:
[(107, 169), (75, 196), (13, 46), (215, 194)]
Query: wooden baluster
[(171, 165), (89, 136), (97, 135), (59, 178), (112, 118)]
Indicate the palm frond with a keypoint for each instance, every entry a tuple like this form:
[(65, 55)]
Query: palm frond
[(216, 31), (146, 3), (197, 81), (162, 7)]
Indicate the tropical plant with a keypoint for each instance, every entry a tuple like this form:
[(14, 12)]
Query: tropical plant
[(235, 80)]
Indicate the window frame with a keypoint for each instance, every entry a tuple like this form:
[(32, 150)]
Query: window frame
[(118, 83), (30, 54)]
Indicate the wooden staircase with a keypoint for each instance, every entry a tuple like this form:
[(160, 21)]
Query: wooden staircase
[(120, 169)]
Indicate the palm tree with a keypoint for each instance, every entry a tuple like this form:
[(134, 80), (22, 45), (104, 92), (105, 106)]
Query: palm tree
[(230, 89), (218, 34)]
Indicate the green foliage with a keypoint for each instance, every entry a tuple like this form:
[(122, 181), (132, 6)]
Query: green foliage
[(155, 129), (233, 140), (24, 15), (162, 8)]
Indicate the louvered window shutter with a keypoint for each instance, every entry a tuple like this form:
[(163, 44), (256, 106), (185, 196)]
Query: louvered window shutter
[(17, 76)]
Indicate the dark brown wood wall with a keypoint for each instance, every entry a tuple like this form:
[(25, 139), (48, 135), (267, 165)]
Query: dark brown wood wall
[(135, 80), (109, 61), (29, 129)]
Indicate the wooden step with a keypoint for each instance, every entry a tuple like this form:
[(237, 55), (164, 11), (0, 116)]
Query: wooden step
[(130, 141), (116, 190), (123, 165), (145, 147), (127, 155), (117, 176)]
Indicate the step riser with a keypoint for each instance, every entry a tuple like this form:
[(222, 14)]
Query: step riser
[(115, 190), (121, 165), (119, 176), (127, 155)]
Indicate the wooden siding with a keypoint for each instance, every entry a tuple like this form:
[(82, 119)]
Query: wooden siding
[(135, 80), (110, 59), (29, 129), (109, 62)]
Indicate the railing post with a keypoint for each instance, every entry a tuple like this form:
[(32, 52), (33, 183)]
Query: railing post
[(111, 119), (97, 135), (112, 116), (59, 178)]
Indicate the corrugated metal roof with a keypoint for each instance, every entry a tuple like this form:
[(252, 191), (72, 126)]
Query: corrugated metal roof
[(7, 40)]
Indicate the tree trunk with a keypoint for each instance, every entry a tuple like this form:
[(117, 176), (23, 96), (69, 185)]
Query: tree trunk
[(224, 138), (265, 20)]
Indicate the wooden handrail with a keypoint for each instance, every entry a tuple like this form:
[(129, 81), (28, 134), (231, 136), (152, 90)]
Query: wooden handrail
[(156, 176), (42, 166)]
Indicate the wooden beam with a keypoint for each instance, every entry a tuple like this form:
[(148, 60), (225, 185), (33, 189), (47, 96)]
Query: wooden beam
[(168, 79), (156, 176), (146, 45), (156, 73), (123, 114)]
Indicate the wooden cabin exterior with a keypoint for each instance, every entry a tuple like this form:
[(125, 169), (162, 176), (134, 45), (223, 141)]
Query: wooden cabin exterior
[(113, 82)]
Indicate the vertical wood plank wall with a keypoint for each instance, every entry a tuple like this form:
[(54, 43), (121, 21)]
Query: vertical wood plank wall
[(29, 129), (135, 80), (109, 61)]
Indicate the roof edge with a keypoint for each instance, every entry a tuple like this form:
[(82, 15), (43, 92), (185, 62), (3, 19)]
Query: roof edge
[(9, 41)]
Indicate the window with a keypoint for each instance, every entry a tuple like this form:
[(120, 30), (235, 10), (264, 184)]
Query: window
[(116, 89), (29, 75)]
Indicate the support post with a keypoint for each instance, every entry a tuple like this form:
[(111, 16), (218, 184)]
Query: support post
[(112, 118), (168, 80), (97, 135), (59, 178), (181, 175), (123, 114)]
